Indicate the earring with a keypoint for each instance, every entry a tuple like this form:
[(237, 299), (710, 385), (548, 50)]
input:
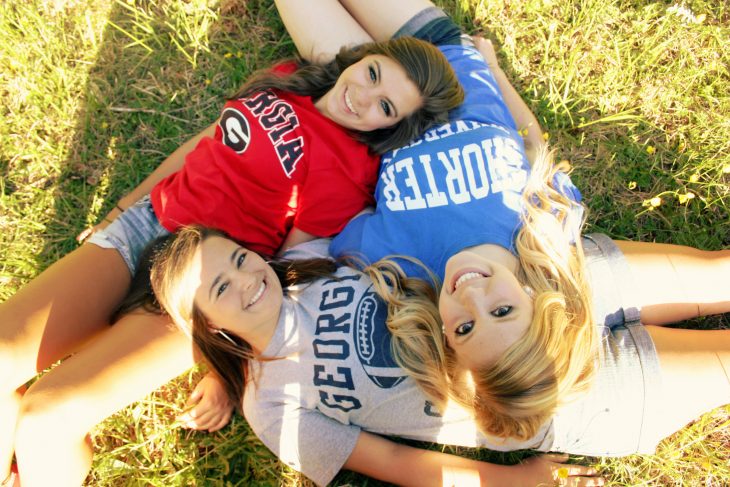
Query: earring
[(225, 335), (529, 291)]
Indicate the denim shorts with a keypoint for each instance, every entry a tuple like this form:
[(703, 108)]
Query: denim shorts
[(130, 232), (619, 415), (434, 26)]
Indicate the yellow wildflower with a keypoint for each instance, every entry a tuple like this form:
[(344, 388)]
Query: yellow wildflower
[(523, 132), (655, 201), (562, 473), (207, 82), (684, 198), (632, 185), (650, 149), (694, 178), (228, 55), (545, 136)]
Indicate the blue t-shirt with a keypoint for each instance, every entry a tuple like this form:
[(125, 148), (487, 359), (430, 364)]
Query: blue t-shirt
[(458, 185)]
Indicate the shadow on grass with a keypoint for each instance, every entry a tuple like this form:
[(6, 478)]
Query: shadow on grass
[(162, 74)]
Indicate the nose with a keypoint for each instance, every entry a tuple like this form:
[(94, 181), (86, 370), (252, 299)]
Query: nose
[(472, 298), (244, 280), (363, 98)]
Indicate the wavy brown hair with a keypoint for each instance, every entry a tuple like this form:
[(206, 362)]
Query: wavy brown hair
[(172, 285), (424, 64)]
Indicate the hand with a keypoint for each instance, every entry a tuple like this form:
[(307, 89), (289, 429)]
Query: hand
[(486, 49), (549, 470), (88, 232), (209, 407)]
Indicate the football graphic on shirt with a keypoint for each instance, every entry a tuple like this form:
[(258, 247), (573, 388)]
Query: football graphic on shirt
[(236, 132), (372, 341)]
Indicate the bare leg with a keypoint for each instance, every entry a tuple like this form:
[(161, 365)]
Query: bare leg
[(319, 28), (127, 361), (51, 317), (695, 372), (676, 283), (382, 18)]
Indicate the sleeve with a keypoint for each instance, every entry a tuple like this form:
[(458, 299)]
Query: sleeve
[(304, 439), (314, 249)]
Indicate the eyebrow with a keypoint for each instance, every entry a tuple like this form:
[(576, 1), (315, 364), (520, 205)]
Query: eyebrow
[(395, 110), (219, 277)]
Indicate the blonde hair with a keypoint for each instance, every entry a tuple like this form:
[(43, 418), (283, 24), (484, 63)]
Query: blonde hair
[(414, 324), (552, 362), (555, 359)]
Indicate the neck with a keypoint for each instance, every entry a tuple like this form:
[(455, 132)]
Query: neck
[(260, 338)]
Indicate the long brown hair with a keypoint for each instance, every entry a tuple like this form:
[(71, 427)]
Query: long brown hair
[(423, 63), (169, 276)]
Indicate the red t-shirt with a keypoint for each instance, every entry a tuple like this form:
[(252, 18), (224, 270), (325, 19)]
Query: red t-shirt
[(275, 162)]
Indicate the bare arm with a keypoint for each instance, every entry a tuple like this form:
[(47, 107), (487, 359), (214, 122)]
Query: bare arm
[(320, 27), (404, 465), (173, 163), (524, 118)]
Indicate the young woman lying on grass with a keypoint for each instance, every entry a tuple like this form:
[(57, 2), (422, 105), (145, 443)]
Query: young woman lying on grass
[(292, 156), (314, 366), (304, 348), (544, 337)]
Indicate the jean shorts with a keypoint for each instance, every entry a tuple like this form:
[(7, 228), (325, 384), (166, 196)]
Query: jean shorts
[(433, 25), (130, 232), (618, 415)]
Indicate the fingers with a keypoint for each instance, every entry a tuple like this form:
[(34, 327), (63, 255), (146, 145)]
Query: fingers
[(86, 233), (206, 419), (555, 457), (575, 475)]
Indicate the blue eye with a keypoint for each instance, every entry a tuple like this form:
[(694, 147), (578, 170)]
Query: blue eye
[(464, 328), (241, 259), (501, 311), (221, 289), (373, 74), (386, 108)]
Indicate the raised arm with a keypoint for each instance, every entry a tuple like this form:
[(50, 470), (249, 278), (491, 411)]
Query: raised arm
[(526, 122), (320, 27), (405, 465)]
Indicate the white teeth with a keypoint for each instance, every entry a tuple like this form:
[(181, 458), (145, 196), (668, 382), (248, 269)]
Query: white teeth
[(348, 102), (258, 294), (466, 277)]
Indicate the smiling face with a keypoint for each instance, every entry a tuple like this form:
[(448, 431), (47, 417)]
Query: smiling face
[(371, 94), (238, 290), (484, 308)]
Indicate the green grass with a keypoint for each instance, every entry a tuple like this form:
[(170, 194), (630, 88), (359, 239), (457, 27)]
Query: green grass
[(634, 94)]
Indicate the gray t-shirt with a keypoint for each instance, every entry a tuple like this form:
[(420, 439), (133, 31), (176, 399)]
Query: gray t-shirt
[(335, 375)]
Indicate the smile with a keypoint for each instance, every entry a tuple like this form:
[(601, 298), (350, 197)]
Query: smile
[(466, 276), (257, 296), (348, 102)]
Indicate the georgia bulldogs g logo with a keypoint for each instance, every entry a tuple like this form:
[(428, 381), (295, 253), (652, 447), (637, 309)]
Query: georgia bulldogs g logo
[(236, 132)]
